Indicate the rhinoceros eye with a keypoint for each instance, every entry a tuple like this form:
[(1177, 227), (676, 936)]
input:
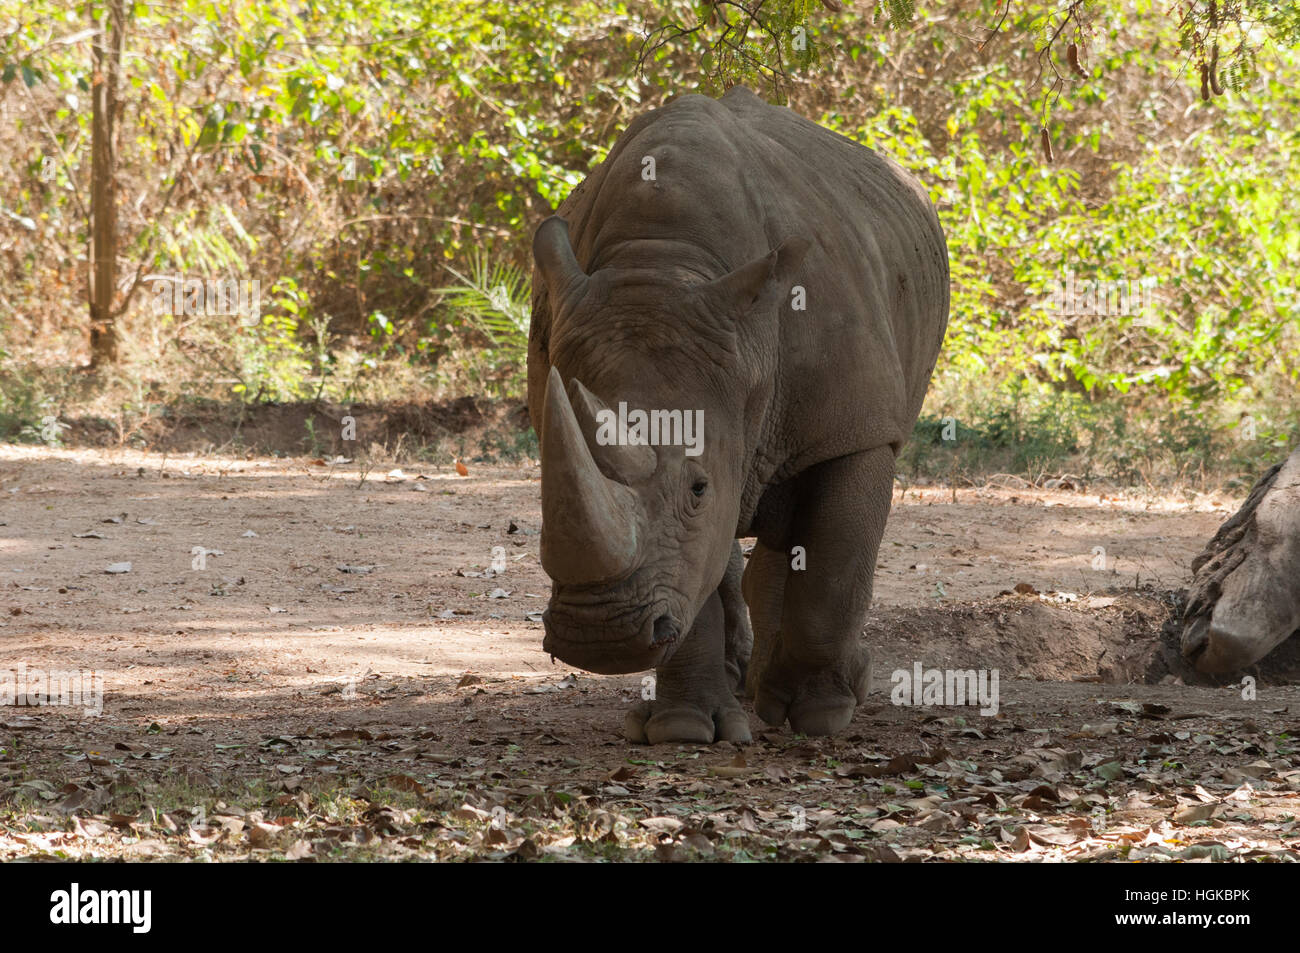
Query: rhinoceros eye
[(698, 488)]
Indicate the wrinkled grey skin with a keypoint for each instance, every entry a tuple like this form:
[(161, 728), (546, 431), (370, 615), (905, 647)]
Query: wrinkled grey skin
[(1244, 600), (677, 292)]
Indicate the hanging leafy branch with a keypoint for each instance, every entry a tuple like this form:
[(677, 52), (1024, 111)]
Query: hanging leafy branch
[(759, 42), (771, 44)]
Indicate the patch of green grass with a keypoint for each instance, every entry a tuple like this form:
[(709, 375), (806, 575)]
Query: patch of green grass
[(1036, 432)]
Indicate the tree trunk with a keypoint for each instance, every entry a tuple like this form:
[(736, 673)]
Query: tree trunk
[(102, 279)]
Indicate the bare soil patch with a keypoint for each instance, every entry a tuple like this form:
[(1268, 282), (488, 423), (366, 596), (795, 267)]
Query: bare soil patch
[(341, 676)]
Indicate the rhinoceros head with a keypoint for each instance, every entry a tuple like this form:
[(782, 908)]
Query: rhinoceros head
[(1245, 599), (645, 437)]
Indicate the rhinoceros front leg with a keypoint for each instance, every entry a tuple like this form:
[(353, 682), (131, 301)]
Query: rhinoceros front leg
[(819, 671), (693, 699)]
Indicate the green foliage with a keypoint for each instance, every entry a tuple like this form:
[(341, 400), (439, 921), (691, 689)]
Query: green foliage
[(353, 148), (495, 300), (22, 409), (347, 155), (756, 42), (750, 41), (1019, 430), (1189, 205), (272, 362)]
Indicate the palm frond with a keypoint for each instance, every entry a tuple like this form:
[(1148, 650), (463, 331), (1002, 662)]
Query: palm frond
[(496, 299)]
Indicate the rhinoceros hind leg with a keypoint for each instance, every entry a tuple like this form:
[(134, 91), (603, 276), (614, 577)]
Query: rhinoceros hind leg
[(819, 671), (764, 588), (693, 693), (739, 638), (816, 701)]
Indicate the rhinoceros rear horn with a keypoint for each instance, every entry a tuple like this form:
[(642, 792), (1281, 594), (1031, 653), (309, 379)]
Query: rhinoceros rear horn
[(626, 463), (589, 522), (565, 279)]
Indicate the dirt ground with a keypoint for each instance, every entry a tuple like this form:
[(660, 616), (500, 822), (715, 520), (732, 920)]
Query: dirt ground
[(314, 661)]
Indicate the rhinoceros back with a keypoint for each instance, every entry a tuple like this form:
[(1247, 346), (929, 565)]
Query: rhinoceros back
[(700, 187)]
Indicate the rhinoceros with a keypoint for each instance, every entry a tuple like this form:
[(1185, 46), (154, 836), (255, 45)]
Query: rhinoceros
[(734, 322), (1244, 600)]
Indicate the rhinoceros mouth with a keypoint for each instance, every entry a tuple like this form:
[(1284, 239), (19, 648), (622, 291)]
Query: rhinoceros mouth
[(1217, 650), (591, 647)]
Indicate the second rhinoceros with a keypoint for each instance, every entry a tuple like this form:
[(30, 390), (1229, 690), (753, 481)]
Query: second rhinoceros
[(735, 319), (1244, 599)]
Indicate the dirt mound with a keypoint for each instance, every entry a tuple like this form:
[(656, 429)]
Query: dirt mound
[(1120, 636)]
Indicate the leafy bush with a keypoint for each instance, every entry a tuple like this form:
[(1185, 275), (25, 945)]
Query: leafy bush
[(347, 155)]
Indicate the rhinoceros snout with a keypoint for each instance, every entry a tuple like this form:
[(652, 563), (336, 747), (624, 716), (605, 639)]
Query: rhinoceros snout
[(610, 649), (1216, 650), (1195, 638)]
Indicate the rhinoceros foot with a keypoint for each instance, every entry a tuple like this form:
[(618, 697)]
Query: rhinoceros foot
[(692, 698), (816, 701), (701, 722)]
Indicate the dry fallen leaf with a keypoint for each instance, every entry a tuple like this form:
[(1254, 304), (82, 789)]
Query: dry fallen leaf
[(1195, 812)]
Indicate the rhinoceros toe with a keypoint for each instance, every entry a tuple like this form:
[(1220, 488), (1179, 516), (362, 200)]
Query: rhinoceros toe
[(816, 702), (648, 723)]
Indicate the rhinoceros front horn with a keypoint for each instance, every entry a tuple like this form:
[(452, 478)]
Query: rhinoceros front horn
[(589, 522)]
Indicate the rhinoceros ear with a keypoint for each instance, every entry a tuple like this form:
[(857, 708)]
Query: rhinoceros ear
[(770, 275), (565, 280)]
